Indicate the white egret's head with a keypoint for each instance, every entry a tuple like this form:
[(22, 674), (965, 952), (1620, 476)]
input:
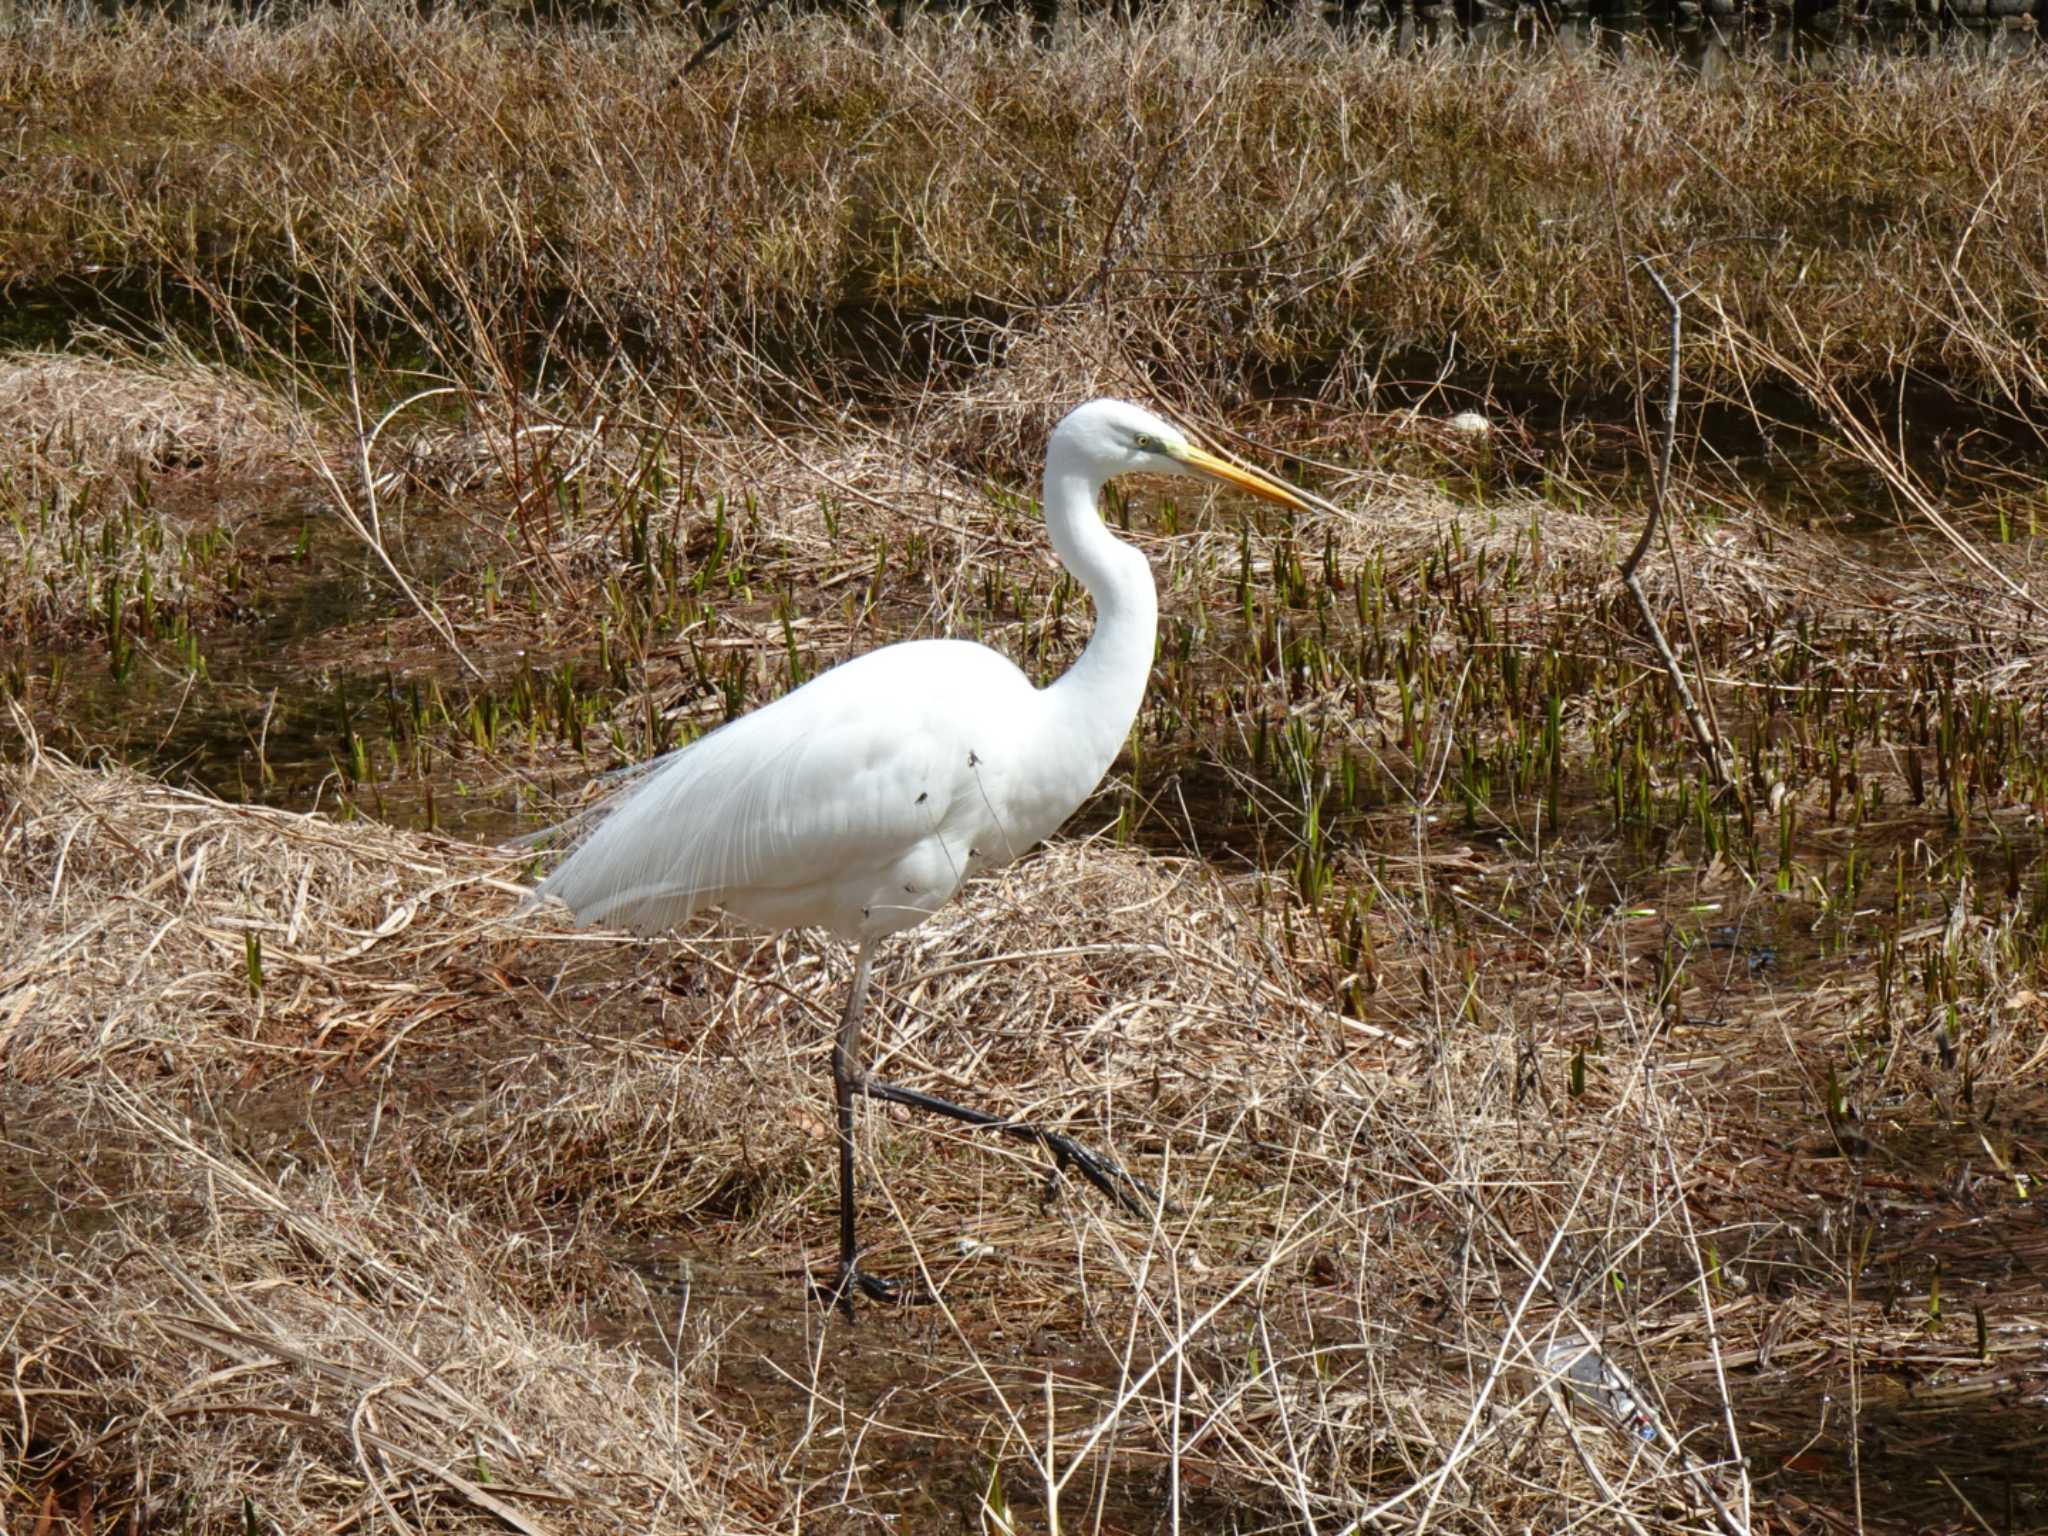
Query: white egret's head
[(1114, 437)]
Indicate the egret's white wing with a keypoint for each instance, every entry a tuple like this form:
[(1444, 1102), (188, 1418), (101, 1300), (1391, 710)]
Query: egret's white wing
[(845, 775), (572, 829)]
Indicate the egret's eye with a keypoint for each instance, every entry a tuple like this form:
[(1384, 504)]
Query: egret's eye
[(1146, 442)]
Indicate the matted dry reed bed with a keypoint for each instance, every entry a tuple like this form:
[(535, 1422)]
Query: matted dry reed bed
[(1242, 199), (320, 1168), (254, 1274)]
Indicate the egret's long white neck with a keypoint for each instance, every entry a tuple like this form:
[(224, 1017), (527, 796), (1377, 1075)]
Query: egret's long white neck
[(1098, 697)]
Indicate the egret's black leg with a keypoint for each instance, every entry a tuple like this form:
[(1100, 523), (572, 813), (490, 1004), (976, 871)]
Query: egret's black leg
[(1129, 1191), (846, 1082)]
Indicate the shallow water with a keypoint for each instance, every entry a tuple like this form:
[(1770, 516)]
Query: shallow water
[(1950, 1433)]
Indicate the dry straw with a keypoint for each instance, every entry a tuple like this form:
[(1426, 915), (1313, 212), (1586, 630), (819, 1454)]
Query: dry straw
[(330, 1163), (72, 416), (213, 1320), (115, 473)]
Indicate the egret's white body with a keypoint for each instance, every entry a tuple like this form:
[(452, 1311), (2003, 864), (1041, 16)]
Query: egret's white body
[(861, 801), (857, 803)]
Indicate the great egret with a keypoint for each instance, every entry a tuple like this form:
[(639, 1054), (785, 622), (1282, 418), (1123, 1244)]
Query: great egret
[(859, 802)]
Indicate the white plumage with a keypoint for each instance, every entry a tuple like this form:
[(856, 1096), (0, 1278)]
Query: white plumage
[(859, 802)]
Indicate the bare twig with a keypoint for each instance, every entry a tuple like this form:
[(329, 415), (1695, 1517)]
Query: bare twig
[(1703, 735)]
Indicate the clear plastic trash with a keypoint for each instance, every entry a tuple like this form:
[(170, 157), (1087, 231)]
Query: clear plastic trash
[(1581, 1367)]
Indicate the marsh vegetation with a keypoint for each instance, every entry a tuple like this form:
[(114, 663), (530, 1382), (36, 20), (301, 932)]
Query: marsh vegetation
[(413, 418)]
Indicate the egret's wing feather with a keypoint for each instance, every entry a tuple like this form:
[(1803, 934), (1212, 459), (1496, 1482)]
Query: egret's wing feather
[(821, 782), (574, 828)]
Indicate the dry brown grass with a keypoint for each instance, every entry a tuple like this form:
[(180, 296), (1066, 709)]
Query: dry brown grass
[(225, 1343), (122, 474), (74, 416), (213, 1318), (330, 1300), (334, 1242), (1234, 202)]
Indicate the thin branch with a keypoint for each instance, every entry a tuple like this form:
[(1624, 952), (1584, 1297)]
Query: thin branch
[(371, 532), (720, 38), (1631, 577)]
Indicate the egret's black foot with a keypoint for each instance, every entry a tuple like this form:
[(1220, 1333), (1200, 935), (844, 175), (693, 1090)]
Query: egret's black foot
[(849, 1279), (1132, 1193), (1126, 1189)]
